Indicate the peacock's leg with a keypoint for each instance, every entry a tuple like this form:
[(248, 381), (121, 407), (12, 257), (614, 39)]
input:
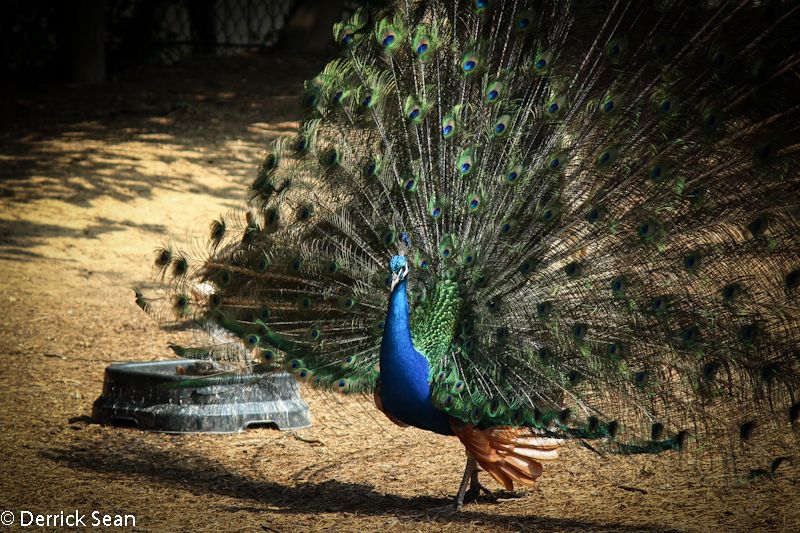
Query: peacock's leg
[(470, 474), (475, 487)]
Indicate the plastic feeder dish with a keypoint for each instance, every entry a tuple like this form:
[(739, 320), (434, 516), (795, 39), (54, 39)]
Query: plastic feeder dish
[(139, 395)]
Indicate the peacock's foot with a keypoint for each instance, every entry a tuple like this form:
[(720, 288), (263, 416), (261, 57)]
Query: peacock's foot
[(475, 490)]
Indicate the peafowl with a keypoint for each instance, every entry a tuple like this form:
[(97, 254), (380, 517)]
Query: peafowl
[(522, 222)]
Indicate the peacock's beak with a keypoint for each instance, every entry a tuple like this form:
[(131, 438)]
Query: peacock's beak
[(397, 277)]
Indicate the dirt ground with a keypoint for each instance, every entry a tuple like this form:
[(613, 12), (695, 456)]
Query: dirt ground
[(92, 179)]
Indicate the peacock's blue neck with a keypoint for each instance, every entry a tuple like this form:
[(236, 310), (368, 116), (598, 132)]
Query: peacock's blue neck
[(405, 391)]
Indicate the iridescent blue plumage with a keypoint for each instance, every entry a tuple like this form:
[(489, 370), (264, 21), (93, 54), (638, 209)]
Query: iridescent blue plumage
[(405, 389)]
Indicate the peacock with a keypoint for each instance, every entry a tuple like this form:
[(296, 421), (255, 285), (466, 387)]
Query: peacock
[(525, 222)]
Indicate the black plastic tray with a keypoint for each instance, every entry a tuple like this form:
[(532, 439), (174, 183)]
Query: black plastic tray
[(135, 395)]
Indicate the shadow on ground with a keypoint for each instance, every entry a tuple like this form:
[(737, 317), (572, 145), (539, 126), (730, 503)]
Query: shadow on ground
[(197, 475)]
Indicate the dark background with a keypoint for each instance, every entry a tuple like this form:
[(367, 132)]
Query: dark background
[(95, 40)]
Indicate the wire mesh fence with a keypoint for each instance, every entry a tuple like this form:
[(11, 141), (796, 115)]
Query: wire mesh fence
[(181, 27), (143, 31), (175, 29)]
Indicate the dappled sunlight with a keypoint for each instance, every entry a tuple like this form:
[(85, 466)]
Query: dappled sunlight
[(284, 129), (112, 171), (78, 170)]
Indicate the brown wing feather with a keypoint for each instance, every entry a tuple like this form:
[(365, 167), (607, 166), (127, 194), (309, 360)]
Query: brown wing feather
[(509, 454)]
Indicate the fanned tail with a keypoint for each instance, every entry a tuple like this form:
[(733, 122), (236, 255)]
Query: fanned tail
[(610, 189)]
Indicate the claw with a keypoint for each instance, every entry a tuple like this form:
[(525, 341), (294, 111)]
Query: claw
[(475, 489)]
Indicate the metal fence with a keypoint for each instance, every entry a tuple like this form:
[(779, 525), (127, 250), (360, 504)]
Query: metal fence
[(141, 31), (177, 27)]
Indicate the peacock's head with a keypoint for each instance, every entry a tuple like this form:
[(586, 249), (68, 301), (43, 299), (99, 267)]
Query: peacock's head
[(399, 267)]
